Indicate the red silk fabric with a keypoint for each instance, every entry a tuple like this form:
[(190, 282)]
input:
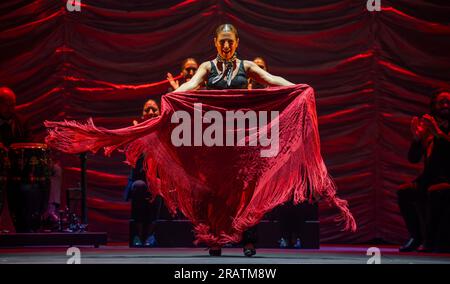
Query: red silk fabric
[(223, 190)]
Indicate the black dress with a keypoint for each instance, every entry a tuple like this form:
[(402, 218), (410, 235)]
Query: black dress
[(238, 82)]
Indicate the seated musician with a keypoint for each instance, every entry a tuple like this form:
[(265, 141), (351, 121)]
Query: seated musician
[(144, 212), (424, 203), (13, 128)]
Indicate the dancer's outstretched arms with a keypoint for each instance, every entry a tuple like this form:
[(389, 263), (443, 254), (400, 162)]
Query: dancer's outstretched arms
[(196, 80), (264, 77)]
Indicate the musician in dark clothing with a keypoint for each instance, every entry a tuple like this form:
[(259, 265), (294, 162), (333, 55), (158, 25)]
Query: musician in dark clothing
[(13, 128), (144, 211), (424, 203)]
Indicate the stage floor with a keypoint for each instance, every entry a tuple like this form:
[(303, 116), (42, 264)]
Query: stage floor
[(121, 254)]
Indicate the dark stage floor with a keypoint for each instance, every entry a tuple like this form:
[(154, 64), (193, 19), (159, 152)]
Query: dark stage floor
[(121, 254)]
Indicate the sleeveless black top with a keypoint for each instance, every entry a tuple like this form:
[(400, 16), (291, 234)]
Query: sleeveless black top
[(239, 81)]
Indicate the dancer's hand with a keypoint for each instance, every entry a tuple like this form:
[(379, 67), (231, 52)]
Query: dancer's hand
[(174, 83), (419, 129)]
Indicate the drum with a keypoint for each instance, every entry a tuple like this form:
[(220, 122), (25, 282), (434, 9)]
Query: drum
[(28, 185), (4, 169)]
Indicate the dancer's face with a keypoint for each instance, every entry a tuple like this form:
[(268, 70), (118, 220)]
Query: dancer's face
[(226, 44), (260, 63), (443, 105), (151, 109), (189, 69)]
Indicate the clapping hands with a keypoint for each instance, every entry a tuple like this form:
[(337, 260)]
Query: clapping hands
[(426, 126), (174, 83)]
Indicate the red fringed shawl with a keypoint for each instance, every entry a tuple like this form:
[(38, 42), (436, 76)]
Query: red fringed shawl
[(222, 190)]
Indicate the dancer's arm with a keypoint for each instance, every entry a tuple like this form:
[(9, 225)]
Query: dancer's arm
[(196, 80), (260, 75)]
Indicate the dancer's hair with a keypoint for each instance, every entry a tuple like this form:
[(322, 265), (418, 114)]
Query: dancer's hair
[(186, 60), (227, 28)]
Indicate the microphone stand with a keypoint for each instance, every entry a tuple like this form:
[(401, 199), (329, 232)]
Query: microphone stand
[(83, 187)]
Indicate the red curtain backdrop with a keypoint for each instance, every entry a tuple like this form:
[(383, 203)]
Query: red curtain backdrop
[(372, 71)]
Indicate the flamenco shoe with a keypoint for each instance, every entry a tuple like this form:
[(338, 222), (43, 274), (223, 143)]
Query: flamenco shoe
[(249, 251), (411, 245), (215, 251), (425, 248)]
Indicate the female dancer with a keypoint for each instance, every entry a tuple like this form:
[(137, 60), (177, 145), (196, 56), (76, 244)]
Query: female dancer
[(231, 190), (227, 71)]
